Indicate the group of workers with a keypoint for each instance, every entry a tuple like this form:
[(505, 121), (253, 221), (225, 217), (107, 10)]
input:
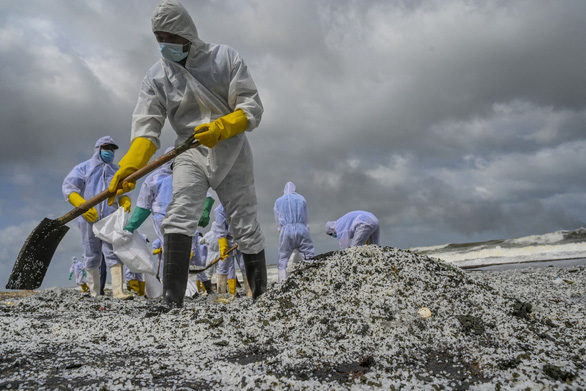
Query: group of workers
[(207, 93)]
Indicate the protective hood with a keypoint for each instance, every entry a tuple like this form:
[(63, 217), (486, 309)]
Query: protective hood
[(104, 141), (96, 160), (171, 17), (74, 259), (289, 188), (330, 227)]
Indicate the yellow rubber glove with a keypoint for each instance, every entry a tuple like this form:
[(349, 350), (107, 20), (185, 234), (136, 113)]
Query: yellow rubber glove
[(124, 202), (140, 152), (223, 243), (221, 129), (157, 251), (76, 200)]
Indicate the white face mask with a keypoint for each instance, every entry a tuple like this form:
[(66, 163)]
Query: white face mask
[(172, 51)]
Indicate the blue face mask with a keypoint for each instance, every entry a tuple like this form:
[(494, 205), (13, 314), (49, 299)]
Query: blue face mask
[(106, 155), (172, 51)]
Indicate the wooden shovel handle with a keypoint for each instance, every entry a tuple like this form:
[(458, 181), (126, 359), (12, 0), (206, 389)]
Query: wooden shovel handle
[(104, 195), (215, 260)]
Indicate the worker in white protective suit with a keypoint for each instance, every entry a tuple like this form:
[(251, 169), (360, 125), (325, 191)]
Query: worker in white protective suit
[(227, 266), (213, 250), (158, 251), (292, 217), (356, 228), (206, 91), (202, 280), (80, 275), (85, 181)]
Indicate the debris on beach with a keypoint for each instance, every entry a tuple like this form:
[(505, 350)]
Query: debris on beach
[(350, 319)]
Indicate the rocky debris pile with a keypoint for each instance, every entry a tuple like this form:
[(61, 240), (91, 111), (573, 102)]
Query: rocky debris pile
[(365, 302), (349, 320)]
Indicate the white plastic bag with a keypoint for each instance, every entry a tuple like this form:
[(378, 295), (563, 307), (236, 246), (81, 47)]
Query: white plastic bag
[(153, 287), (191, 288), (131, 248), (108, 229)]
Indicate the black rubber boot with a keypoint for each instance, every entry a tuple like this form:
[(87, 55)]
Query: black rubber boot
[(176, 253), (207, 285), (256, 273)]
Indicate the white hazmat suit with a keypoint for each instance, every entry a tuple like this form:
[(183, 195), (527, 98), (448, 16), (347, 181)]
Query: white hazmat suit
[(89, 179), (214, 82), (198, 259), (292, 218), (211, 241), (77, 269), (222, 230), (200, 86), (356, 228)]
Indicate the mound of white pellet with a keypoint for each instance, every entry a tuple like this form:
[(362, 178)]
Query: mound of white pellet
[(350, 320)]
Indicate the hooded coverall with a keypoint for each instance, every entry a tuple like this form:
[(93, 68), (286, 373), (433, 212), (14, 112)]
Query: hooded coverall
[(214, 82), (222, 230), (198, 259), (77, 269), (356, 228), (89, 179), (292, 217), (157, 244), (211, 241)]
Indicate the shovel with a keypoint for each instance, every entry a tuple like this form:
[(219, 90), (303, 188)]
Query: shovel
[(159, 267), (38, 249), (200, 269)]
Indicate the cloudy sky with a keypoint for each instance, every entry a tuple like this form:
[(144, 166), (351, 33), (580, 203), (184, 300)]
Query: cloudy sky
[(452, 121)]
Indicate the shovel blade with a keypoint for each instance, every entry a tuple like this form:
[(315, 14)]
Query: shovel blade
[(36, 254)]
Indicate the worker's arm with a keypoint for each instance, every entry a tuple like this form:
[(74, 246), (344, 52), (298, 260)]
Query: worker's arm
[(205, 216), (138, 217)]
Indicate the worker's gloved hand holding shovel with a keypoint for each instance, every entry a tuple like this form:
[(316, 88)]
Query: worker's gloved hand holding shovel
[(140, 152), (224, 127), (76, 200)]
